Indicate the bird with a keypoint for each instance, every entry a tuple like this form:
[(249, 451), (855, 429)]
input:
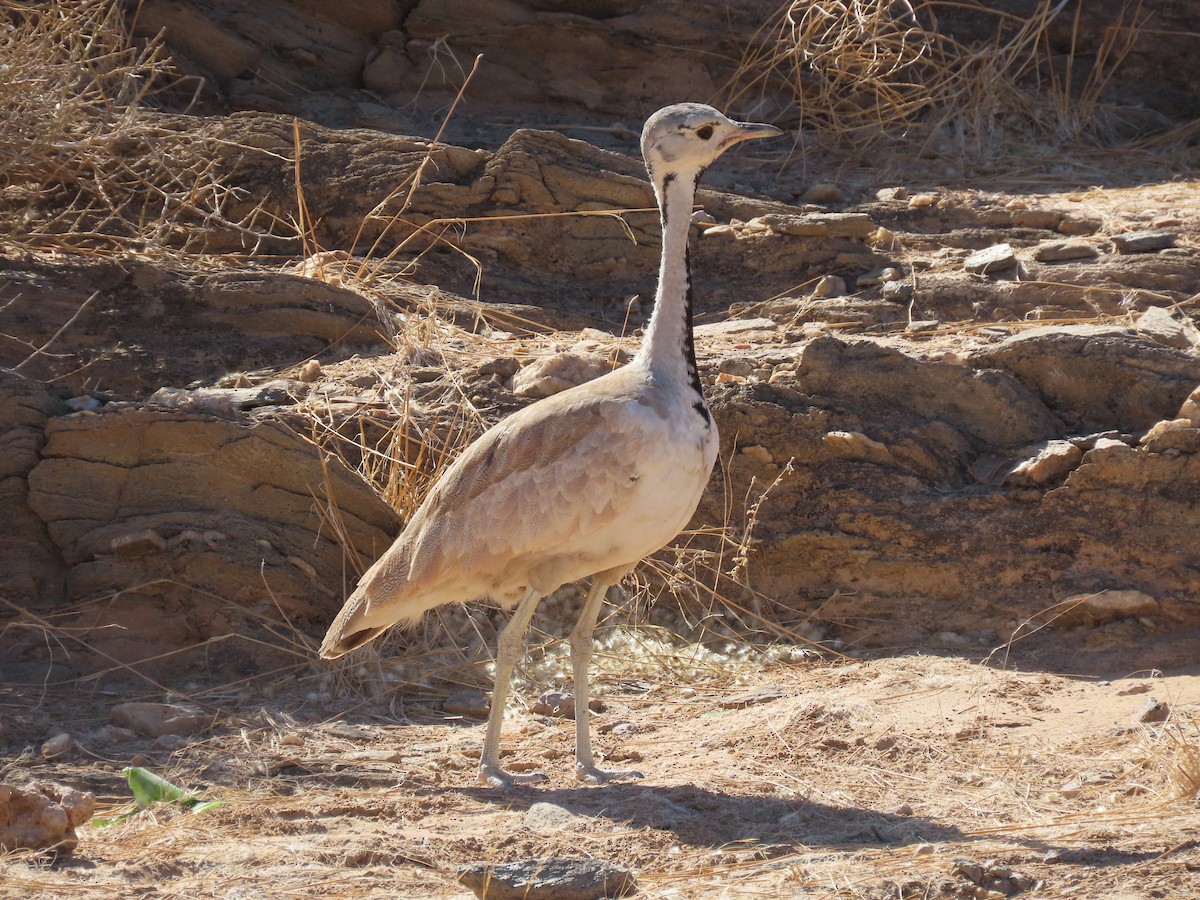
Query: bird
[(586, 482)]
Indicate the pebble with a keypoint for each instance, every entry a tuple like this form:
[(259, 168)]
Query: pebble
[(891, 193), (896, 291), (543, 817), (1053, 460), (950, 639), (1148, 241), (753, 697), (138, 543), (156, 719), (113, 734), (1103, 606), (309, 372), (996, 258), (1159, 325), (823, 192), (1056, 251), (921, 201), (759, 454), (845, 225), (1151, 711), (736, 365), (58, 747), (562, 704), (1072, 226), (1190, 409), (830, 286), (553, 878), (877, 277), (474, 704)]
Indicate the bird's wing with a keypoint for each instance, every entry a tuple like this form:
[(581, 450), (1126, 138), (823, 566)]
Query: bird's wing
[(543, 478)]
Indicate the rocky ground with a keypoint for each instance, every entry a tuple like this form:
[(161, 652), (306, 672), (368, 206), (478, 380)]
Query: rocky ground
[(932, 632)]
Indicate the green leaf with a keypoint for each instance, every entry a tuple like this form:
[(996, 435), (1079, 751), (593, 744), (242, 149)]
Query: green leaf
[(149, 789)]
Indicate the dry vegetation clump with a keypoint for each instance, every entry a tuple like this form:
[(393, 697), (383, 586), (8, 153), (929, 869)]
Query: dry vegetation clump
[(84, 164), (862, 71)]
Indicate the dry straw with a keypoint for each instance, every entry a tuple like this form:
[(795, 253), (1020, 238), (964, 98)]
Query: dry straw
[(81, 154), (856, 72)]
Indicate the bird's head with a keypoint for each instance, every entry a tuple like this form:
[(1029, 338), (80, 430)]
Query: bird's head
[(687, 137)]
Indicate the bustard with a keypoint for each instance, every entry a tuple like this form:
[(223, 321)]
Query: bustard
[(586, 482)]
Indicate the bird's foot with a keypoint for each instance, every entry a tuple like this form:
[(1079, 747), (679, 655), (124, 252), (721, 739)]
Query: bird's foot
[(592, 775), (494, 776)]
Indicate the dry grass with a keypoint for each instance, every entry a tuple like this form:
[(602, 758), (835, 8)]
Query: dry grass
[(857, 72), (80, 152)]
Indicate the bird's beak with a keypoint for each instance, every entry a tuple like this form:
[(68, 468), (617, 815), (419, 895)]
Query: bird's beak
[(749, 131)]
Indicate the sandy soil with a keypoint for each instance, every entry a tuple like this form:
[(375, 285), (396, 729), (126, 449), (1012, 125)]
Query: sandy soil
[(908, 776)]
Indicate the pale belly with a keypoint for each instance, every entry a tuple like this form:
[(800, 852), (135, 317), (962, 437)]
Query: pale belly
[(661, 503)]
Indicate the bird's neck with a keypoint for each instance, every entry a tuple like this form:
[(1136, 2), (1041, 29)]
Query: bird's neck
[(668, 348)]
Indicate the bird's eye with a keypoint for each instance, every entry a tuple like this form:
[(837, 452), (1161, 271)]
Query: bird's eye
[(704, 132)]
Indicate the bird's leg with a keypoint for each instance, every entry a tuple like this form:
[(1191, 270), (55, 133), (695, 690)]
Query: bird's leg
[(581, 655), (508, 651)]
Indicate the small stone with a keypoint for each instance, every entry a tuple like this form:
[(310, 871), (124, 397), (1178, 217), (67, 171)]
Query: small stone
[(996, 258), (555, 703), (1190, 409), (1148, 241), (138, 543), (309, 372), (855, 445), (156, 719), (58, 747), (473, 704), (1056, 251), (950, 639), (921, 201), (753, 697), (292, 739), (830, 286), (1151, 711), (42, 816), (759, 454), (896, 291), (1106, 606), (1073, 226), (833, 225), (556, 878), (1051, 461), (1159, 325), (171, 742), (1172, 434), (543, 817), (736, 365), (891, 193), (702, 218), (877, 277), (884, 238), (113, 734), (823, 192), (84, 403)]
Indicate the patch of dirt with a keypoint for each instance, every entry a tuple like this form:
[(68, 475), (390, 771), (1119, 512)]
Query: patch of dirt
[(894, 777)]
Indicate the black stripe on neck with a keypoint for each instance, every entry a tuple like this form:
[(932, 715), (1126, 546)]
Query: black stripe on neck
[(668, 179), (689, 342)]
